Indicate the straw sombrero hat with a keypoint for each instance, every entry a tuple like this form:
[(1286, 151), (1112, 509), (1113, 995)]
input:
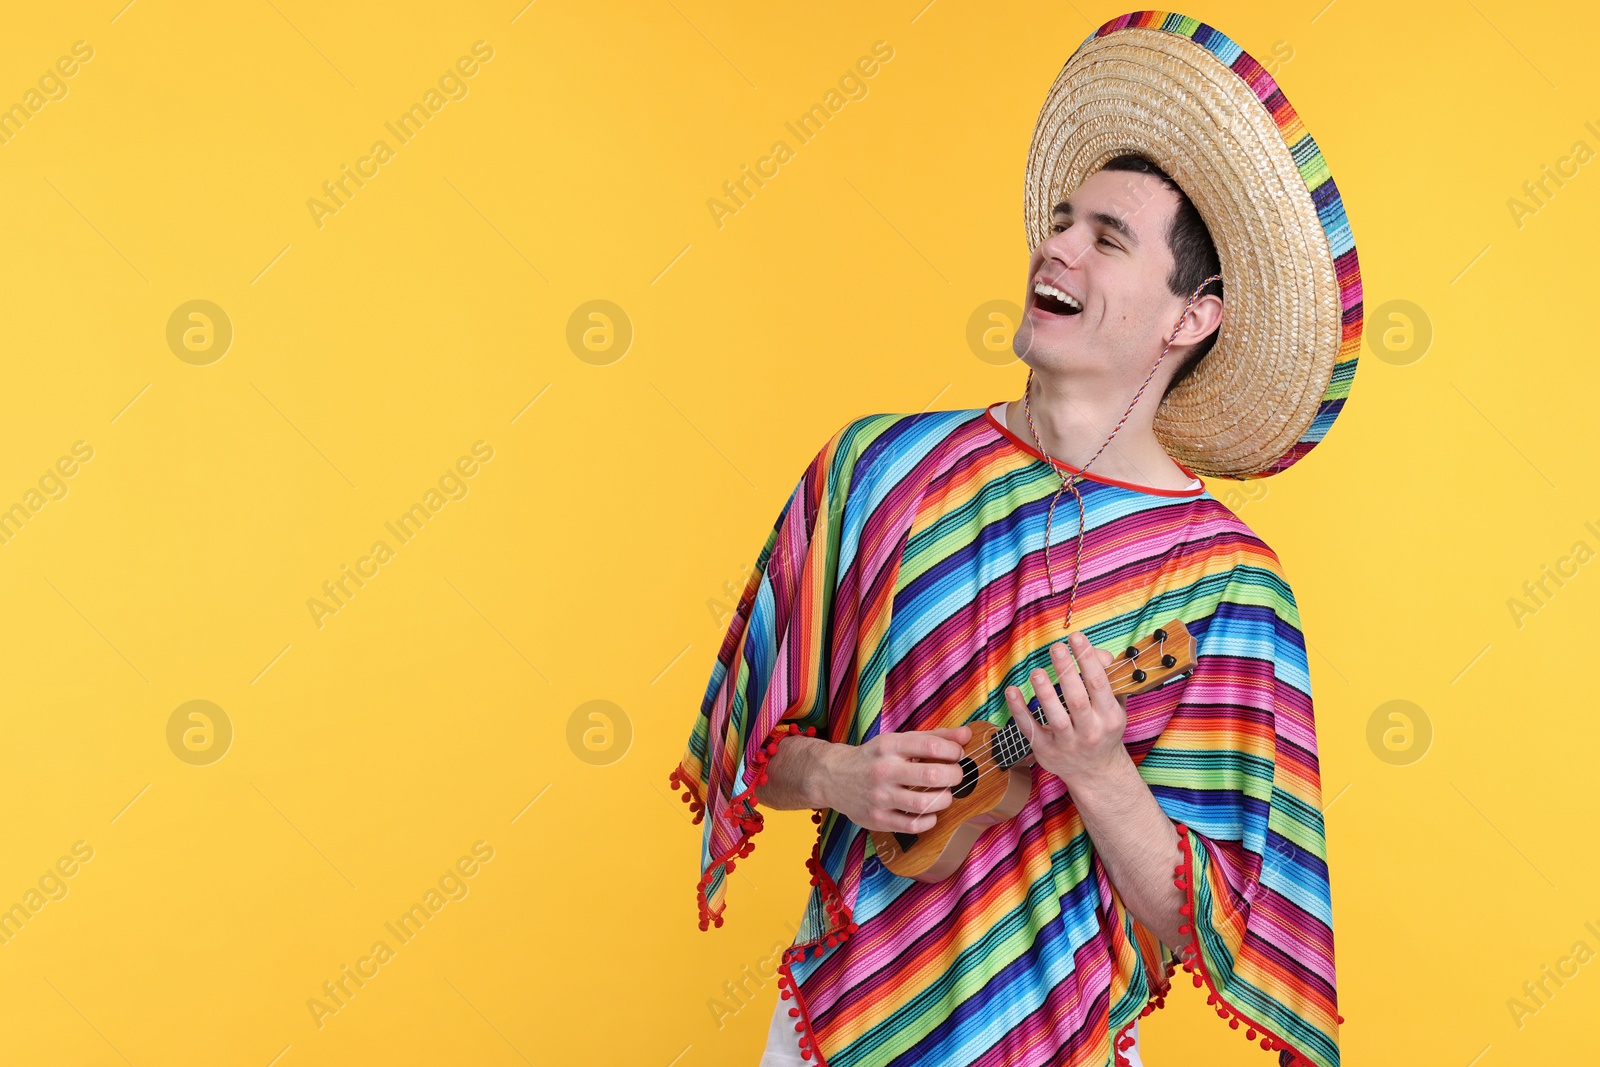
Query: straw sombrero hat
[(1177, 91)]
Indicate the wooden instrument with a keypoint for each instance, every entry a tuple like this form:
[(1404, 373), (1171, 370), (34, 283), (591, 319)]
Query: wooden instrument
[(993, 787)]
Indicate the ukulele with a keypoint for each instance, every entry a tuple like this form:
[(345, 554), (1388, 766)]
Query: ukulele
[(993, 787)]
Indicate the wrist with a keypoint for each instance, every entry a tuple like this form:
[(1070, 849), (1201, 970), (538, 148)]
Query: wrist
[(817, 779), (798, 774), (1107, 779)]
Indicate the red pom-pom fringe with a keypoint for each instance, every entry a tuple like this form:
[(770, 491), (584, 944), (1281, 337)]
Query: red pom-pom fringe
[(841, 927), (741, 812), (1183, 878), (1124, 1039), (691, 794)]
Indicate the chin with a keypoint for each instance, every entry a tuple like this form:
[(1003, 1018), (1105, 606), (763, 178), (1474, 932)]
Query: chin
[(1038, 353)]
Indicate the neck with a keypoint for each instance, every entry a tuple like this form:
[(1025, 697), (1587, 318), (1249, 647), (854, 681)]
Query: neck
[(1073, 418)]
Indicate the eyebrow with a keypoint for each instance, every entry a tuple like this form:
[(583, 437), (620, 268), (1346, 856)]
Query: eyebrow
[(1111, 222)]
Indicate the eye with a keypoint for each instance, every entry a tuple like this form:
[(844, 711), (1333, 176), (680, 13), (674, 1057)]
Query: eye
[(1109, 242)]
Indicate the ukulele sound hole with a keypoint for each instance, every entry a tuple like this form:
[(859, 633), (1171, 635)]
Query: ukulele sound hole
[(969, 778)]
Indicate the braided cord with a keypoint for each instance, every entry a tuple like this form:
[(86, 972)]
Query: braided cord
[(1070, 481)]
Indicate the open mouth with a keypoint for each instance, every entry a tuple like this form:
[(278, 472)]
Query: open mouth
[(1052, 301)]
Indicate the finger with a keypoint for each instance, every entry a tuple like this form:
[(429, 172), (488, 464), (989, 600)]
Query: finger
[(1020, 713), (959, 734), (1072, 691), (925, 774), (1091, 667), (929, 745), (1108, 662), (900, 822), (1056, 716), (920, 801)]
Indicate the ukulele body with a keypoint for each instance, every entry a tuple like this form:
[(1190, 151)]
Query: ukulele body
[(987, 794), (980, 801)]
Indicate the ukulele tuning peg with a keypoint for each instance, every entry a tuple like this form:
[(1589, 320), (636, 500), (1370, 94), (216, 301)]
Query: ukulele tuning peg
[(1168, 660), (1160, 635), (1138, 675), (1131, 653)]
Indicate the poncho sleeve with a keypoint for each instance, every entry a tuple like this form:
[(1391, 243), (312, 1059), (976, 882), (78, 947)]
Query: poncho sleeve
[(1236, 768), (771, 675)]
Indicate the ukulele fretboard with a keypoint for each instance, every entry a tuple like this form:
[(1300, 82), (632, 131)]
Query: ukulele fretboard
[(1008, 746)]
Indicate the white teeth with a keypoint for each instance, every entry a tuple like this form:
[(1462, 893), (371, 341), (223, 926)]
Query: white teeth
[(1042, 289)]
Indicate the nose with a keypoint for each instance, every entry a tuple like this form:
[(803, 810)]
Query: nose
[(1067, 246)]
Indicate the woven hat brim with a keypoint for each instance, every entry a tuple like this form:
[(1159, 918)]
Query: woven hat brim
[(1182, 94)]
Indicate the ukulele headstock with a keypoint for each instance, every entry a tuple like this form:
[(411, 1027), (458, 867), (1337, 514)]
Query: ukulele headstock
[(1165, 653)]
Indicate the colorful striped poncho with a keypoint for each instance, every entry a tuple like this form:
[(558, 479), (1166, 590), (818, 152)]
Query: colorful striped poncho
[(903, 588)]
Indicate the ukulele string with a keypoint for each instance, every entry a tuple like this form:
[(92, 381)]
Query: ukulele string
[(986, 765), (990, 763)]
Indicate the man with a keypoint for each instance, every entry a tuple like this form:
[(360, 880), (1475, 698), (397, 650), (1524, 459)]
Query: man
[(916, 580)]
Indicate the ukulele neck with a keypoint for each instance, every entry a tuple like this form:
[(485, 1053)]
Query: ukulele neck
[(1008, 746), (1166, 655)]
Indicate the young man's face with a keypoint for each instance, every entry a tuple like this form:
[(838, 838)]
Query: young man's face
[(1107, 253)]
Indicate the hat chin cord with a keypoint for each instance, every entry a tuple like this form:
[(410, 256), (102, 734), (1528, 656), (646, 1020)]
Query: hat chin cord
[(1070, 481)]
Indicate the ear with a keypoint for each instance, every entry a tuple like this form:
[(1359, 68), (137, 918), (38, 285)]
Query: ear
[(1204, 316)]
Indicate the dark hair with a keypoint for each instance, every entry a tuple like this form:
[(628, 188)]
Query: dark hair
[(1194, 256)]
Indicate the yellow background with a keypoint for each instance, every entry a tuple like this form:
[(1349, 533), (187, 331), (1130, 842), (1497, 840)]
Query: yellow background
[(592, 558)]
